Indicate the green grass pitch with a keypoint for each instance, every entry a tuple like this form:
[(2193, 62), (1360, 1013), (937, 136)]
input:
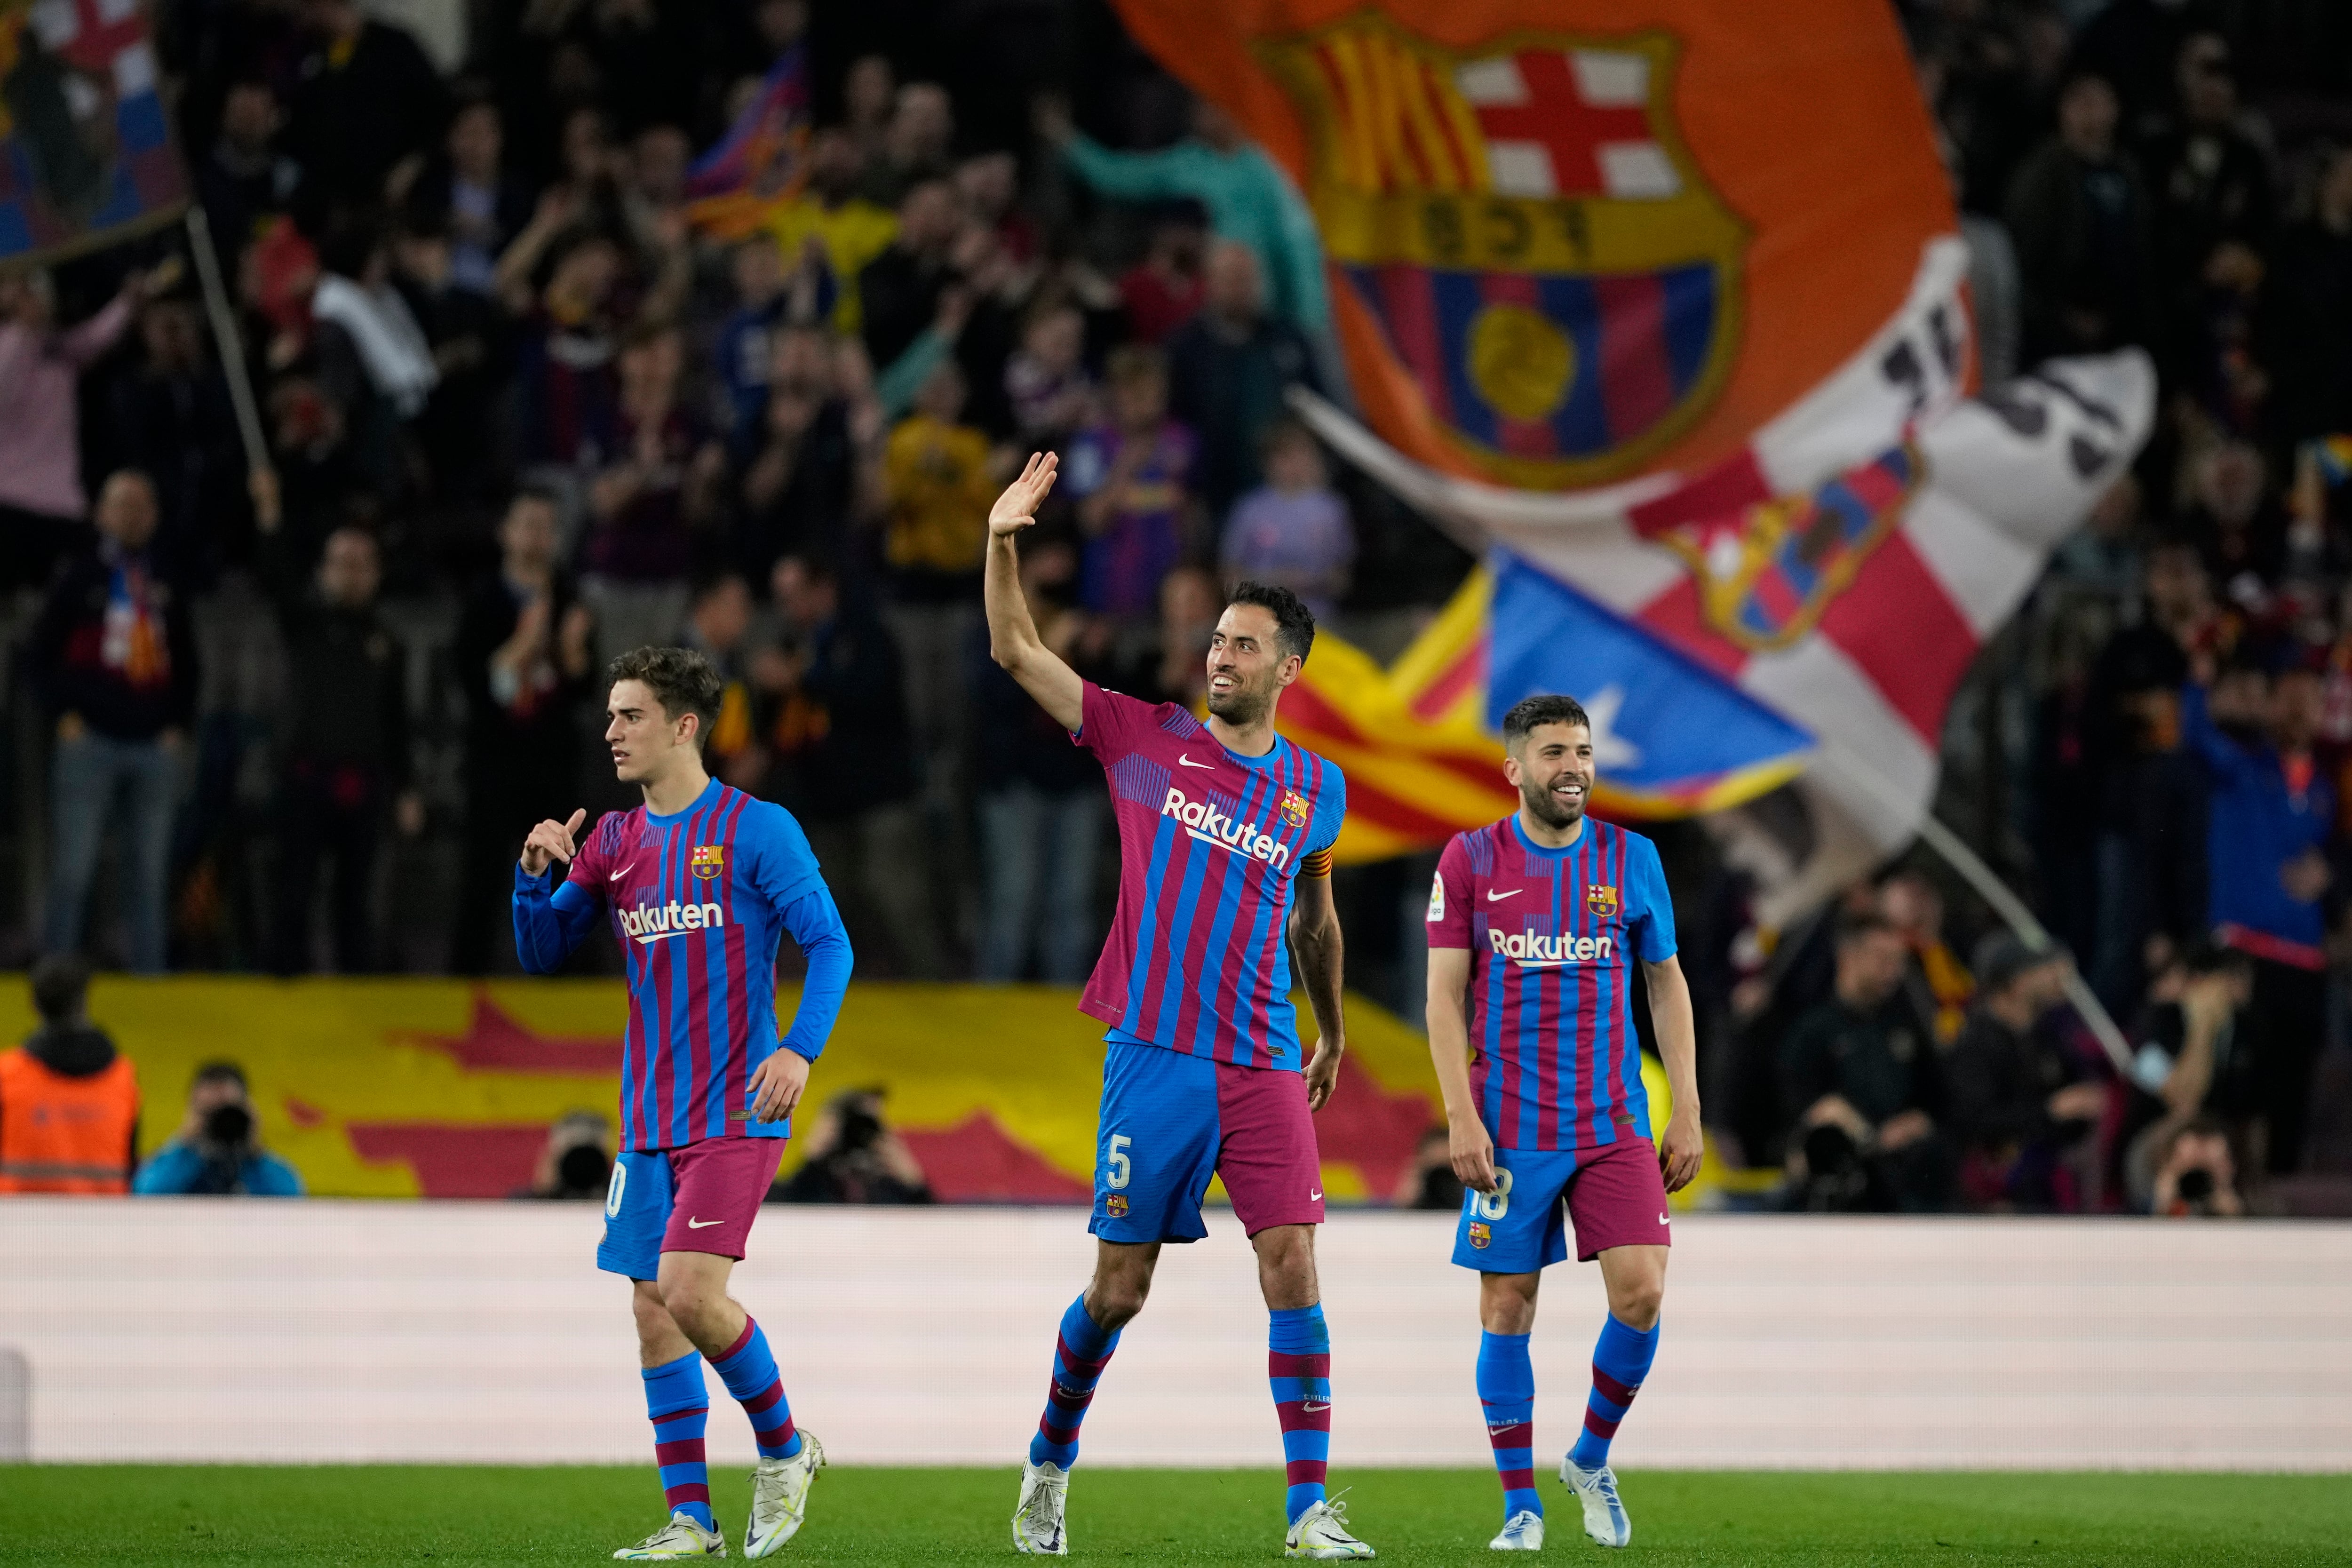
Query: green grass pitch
[(131, 1516)]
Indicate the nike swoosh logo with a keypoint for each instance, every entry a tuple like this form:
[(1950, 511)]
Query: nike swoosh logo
[(617, 876), (1492, 896), (1316, 1196), (1186, 760), (1663, 1220), (703, 1224)]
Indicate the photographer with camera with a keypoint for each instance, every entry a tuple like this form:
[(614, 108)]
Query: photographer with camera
[(217, 1152), (854, 1158), (577, 1161), (2182, 1168), (2023, 1109)]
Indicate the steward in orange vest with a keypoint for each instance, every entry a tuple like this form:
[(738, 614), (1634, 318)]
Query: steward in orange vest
[(69, 1100)]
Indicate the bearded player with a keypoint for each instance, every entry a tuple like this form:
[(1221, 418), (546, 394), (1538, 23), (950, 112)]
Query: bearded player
[(1226, 831), (1535, 925), (700, 881)]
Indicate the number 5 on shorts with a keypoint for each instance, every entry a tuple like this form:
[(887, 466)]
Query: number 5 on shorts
[(1121, 1167)]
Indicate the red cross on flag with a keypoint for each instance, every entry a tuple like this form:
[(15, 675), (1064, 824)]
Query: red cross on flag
[(1568, 123)]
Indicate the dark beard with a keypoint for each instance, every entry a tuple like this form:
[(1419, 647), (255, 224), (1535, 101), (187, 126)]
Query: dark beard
[(1241, 708), (1548, 811)]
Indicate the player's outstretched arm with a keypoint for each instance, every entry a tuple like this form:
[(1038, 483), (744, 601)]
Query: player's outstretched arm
[(1679, 1150), (549, 924), (1315, 951), (1469, 1145), (1013, 640)]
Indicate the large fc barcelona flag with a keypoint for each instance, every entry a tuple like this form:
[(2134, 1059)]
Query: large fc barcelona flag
[(1574, 240), (86, 153)]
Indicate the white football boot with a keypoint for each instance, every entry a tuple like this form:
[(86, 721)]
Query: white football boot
[(780, 1490), (1604, 1516), (1523, 1532), (681, 1537), (1037, 1517), (1322, 1533)]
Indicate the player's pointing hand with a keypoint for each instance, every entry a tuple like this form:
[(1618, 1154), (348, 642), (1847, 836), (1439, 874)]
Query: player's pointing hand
[(552, 840), (1016, 508)]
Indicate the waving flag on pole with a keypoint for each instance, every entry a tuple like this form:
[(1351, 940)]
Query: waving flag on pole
[(763, 159), (86, 153)]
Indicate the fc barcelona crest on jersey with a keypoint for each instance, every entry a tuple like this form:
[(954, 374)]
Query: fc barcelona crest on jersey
[(1525, 227), (1480, 1235), (709, 861), (1294, 808), (1115, 1205), (1601, 899)]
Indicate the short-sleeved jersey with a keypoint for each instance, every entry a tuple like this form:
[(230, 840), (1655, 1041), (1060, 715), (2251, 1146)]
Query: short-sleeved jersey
[(698, 903), (1552, 936), (1210, 848)]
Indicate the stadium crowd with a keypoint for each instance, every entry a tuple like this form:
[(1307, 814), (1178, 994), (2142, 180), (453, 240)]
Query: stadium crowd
[(523, 414)]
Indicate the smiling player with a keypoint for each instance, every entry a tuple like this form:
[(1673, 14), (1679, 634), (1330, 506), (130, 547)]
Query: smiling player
[(700, 879), (1536, 923), (1226, 831)]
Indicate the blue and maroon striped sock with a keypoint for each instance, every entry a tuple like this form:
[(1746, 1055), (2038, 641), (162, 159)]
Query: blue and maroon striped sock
[(1298, 1365), (1507, 1388), (1620, 1360), (1081, 1349), (749, 1373), (678, 1407)]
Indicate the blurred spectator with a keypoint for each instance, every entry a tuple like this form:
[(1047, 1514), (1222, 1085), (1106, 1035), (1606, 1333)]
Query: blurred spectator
[(523, 665), (369, 99), (653, 506), (566, 387), (169, 418), (1047, 381), (718, 628), (41, 500), (2018, 1110), (2307, 339), (217, 1151), (1228, 368), (849, 231), (898, 290), (113, 658), (471, 197), (244, 179), (836, 705), (938, 482), (2208, 182), (1162, 291), (1042, 800), (2183, 1167), (1429, 1182), (577, 1161), (1250, 202), (1293, 531), (2239, 532), (915, 144), (459, 433), (868, 89), (2268, 827), (69, 1100), (798, 484), (373, 359), (1189, 605), (1936, 986), (2079, 214), (345, 754), (854, 1158), (1864, 1083), (1133, 479), (2191, 1055)]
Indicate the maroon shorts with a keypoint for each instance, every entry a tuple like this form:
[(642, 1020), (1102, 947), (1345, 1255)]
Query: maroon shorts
[(1172, 1121), (1614, 1196), (701, 1198)]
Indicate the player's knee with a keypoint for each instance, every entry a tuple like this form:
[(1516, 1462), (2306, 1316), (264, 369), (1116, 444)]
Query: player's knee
[(1114, 1300), (1637, 1302), (688, 1303)]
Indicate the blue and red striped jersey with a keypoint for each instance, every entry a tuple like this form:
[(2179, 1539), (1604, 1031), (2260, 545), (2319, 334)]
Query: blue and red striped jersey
[(699, 901), (1209, 845), (1553, 936)]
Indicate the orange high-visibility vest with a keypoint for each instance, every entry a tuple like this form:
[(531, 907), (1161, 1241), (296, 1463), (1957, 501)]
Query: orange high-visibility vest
[(60, 1134)]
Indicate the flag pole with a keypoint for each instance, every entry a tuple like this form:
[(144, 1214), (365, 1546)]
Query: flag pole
[(231, 344), (1989, 887)]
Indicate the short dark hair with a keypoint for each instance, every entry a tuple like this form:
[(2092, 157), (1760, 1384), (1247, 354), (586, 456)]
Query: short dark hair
[(60, 982), (220, 1069), (1860, 926), (681, 680), (1543, 708), (1294, 623)]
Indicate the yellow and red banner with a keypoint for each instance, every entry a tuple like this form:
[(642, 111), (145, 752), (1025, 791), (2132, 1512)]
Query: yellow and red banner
[(1577, 240)]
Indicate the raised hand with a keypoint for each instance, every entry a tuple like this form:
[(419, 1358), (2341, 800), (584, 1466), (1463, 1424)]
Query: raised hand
[(552, 840), (1016, 508)]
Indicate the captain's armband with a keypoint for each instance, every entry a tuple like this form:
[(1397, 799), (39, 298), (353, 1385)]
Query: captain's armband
[(1316, 865)]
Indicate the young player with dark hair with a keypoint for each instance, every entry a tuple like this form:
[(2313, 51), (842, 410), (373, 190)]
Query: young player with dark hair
[(1535, 924), (701, 880), (1226, 832)]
